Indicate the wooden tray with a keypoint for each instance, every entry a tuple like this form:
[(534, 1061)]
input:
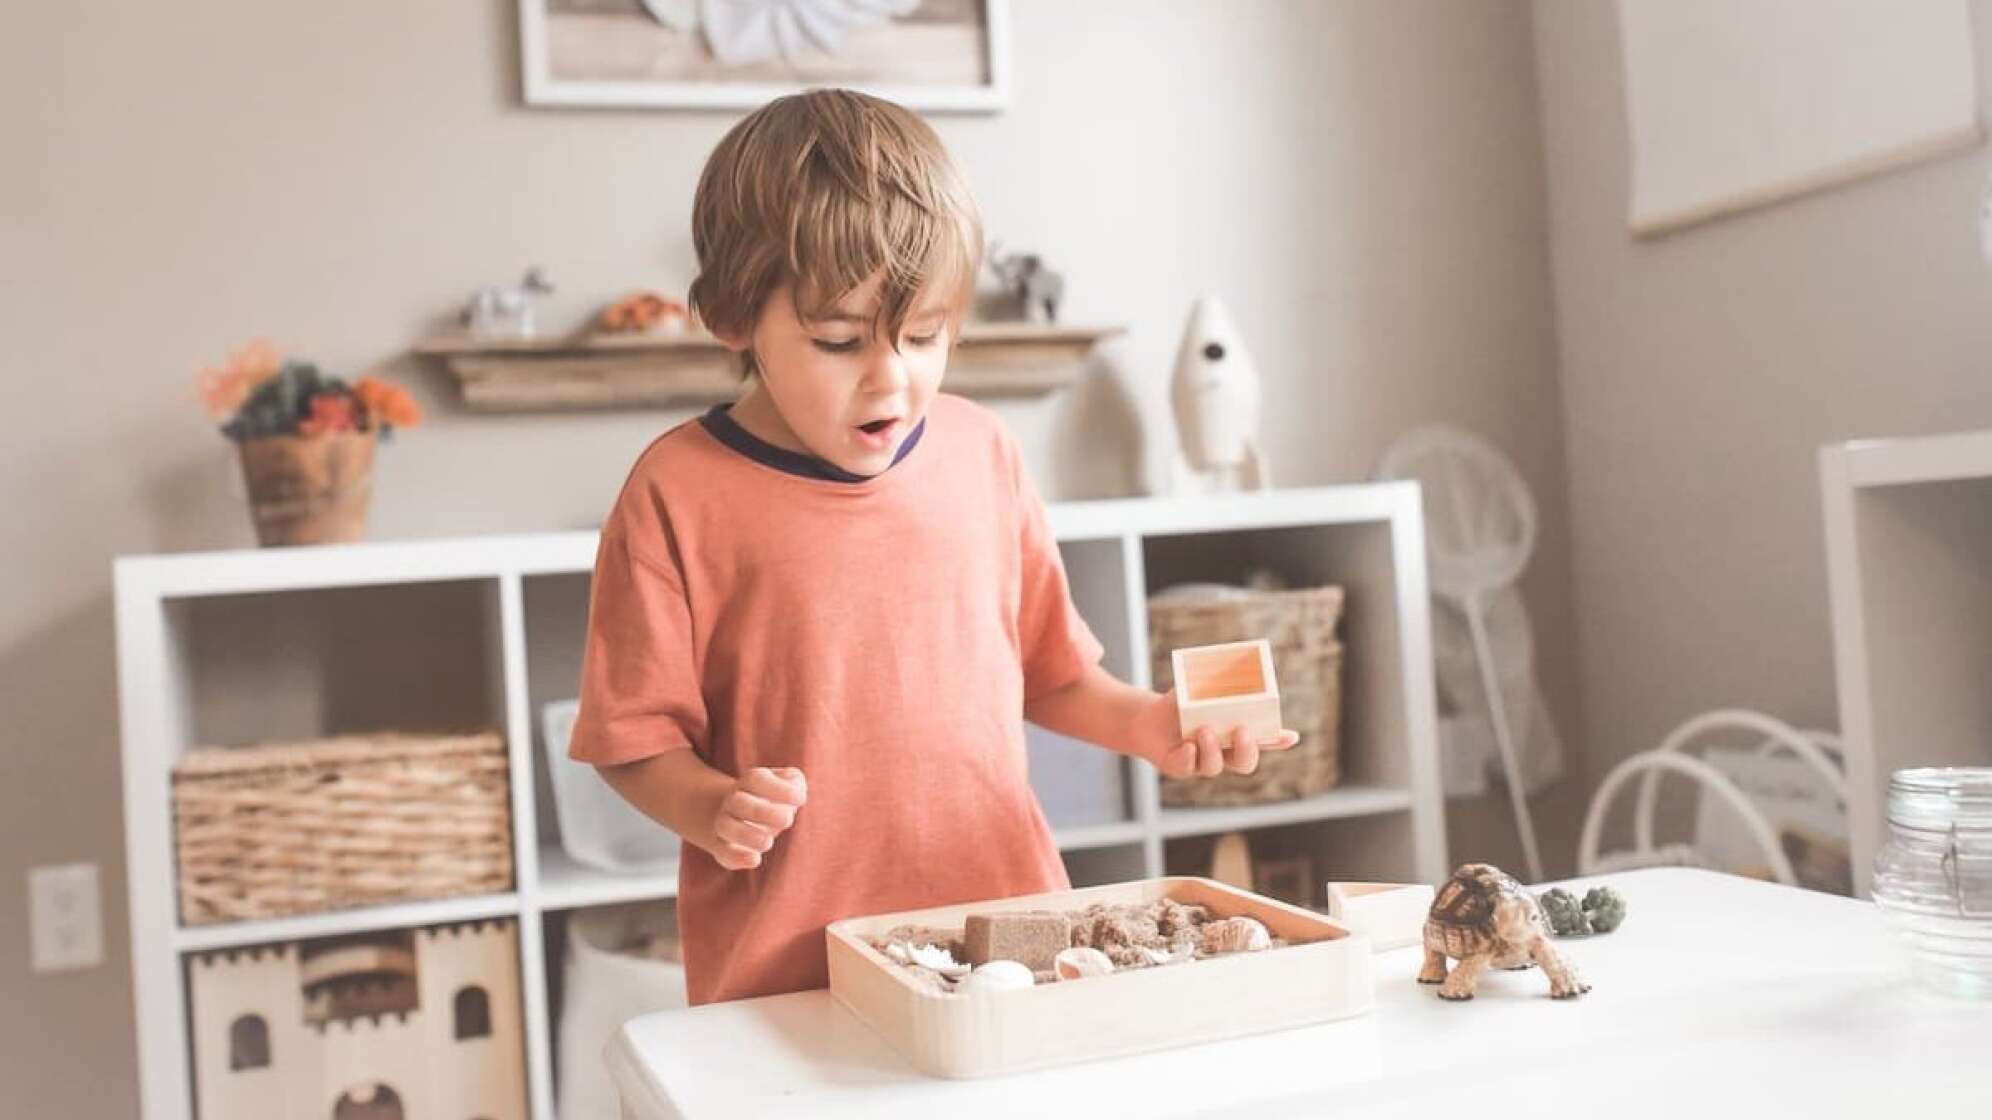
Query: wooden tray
[(1391, 915), (987, 1033)]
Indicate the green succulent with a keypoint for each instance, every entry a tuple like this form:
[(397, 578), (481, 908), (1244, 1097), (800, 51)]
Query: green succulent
[(1605, 908), (1566, 915)]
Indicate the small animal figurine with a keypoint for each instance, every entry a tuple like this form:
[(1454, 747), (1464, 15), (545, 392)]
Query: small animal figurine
[(1482, 916), (497, 312), (1036, 289)]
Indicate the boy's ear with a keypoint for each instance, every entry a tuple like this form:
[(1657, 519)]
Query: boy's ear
[(733, 342)]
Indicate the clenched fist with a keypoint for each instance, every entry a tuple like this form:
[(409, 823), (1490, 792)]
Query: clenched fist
[(761, 806)]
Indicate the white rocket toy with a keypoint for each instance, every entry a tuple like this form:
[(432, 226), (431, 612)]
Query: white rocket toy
[(1216, 394)]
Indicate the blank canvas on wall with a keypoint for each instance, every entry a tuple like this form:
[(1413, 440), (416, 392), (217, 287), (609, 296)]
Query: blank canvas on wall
[(1732, 104)]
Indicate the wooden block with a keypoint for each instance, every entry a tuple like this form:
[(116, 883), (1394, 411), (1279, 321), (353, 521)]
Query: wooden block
[(1228, 685), (1326, 973), (1392, 915), (1030, 939)]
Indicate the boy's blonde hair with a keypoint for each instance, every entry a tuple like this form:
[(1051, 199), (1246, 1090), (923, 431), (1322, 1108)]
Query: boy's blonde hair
[(821, 190)]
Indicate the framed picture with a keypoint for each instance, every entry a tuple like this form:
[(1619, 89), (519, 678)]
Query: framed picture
[(928, 55)]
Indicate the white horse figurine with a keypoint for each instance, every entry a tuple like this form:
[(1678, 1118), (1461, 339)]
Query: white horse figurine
[(498, 312)]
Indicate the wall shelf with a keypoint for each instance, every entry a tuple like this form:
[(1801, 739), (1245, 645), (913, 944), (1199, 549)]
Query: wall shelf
[(643, 370), (189, 671)]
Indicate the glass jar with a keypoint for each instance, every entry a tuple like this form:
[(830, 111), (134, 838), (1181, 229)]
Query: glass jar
[(1933, 875)]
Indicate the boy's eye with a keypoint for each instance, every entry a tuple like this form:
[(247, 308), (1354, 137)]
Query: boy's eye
[(834, 346), (925, 339)]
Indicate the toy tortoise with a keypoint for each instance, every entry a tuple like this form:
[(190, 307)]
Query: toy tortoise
[(1481, 916)]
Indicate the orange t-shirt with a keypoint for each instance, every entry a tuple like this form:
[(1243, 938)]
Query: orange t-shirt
[(881, 635)]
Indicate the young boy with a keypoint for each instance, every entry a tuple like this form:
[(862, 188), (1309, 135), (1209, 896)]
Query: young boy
[(820, 616)]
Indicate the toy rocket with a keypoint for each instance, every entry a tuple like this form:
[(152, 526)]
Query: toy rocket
[(1217, 397)]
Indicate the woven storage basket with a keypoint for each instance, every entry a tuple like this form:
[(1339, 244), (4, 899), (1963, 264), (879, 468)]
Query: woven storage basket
[(1300, 626), (296, 828)]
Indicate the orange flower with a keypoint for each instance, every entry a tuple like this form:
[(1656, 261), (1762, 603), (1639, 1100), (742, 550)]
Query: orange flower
[(223, 388), (330, 412), (386, 404)]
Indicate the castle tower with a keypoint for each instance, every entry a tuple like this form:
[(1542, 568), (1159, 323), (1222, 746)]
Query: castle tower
[(469, 981), (249, 1036)]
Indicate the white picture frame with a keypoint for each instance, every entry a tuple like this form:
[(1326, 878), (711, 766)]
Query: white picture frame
[(546, 38)]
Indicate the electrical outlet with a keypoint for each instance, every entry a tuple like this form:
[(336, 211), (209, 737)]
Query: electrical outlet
[(66, 917)]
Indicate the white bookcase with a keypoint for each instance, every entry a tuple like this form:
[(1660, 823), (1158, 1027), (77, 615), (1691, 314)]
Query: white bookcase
[(241, 646), (1909, 574)]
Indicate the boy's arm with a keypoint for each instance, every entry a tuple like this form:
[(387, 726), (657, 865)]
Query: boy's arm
[(1134, 721), (676, 789), (1100, 709), (734, 821)]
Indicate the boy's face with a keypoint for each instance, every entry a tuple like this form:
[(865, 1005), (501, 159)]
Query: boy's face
[(829, 388)]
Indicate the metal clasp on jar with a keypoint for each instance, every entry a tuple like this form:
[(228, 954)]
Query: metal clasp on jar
[(1974, 868)]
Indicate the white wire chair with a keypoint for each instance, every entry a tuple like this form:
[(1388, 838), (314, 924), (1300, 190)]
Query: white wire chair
[(1818, 749)]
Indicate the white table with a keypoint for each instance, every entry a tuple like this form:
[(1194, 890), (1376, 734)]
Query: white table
[(1719, 995)]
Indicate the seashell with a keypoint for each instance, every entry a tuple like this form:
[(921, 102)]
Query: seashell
[(997, 976), (938, 959), (1075, 964), (1235, 935), (1163, 956)]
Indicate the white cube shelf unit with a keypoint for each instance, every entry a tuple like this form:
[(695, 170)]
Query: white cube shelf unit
[(248, 645), (1909, 577)]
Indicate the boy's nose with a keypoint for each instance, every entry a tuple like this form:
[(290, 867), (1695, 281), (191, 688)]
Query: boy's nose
[(888, 371)]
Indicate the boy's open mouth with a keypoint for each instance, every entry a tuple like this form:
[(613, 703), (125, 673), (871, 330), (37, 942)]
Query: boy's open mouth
[(876, 426)]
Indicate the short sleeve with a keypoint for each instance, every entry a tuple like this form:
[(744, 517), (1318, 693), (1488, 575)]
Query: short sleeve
[(640, 692), (1057, 645)]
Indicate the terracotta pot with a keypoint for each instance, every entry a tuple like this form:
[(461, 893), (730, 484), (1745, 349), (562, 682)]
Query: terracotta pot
[(309, 490)]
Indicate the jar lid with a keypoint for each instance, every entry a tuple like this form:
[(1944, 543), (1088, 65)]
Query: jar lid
[(1941, 797)]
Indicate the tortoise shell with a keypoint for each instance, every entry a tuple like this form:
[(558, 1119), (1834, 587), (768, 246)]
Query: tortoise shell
[(1461, 921)]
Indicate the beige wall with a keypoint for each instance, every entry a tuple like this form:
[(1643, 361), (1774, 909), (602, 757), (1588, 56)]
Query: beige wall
[(1700, 374), (1361, 181)]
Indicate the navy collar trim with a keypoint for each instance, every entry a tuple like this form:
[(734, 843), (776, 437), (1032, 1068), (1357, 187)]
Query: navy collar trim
[(728, 431)]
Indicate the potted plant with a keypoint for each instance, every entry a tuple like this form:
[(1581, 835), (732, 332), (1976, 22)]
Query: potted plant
[(306, 440)]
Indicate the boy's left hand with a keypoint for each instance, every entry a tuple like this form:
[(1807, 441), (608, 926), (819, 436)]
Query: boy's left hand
[(1206, 754)]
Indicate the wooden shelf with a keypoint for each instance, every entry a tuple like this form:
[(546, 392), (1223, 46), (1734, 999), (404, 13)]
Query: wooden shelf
[(1336, 804), (1367, 538), (594, 371), (425, 912), (566, 884)]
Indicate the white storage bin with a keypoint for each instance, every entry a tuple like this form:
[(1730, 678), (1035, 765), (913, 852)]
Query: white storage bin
[(597, 827), (606, 986)]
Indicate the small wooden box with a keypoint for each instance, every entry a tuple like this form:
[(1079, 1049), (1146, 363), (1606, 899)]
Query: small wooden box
[(1226, 685), (965, 1035), (1391, 915)]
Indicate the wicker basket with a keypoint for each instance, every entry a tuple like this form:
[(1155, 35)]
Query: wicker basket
[(1300, 626), (297, 828)]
